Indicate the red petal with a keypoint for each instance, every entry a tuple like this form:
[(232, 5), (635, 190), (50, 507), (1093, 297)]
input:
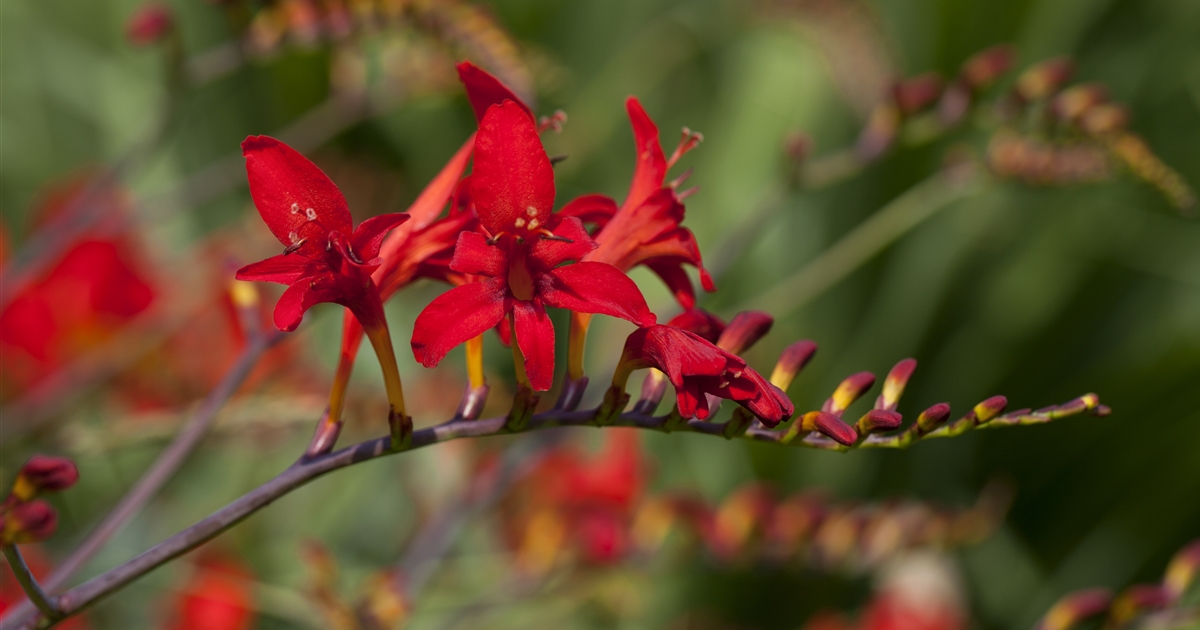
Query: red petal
[(303, 295), (285, 185), (485, 90), (547, 253), (369, 234), (651, 167), (456, 316), (598, 209), (677, 281), (282, 268), (513, 182), (535, 337), (590, 287), (504, 332), (472, 254), (699, 322)]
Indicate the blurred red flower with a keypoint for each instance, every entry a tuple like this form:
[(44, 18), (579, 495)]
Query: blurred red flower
[(217, 596)]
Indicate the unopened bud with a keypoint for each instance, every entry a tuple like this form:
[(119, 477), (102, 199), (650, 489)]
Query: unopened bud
[(990, 408), (1136, 600), (1183, 570), (1104, 119), (1072, 103), (244, 295), (744, 330), (1074, 608), (791, 362), (798, 146), (654, 386), (933, 417), (699, 322), (916, 93), (28, 522), (43, 474), (848, 391), (879, 134), (149, 24), (879, 420), (830, 426), (893, 385), (1045, 78), (983, 68)]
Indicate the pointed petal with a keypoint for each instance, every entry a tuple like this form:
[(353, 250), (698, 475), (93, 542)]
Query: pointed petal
[(597, 209), (513, 182), (456, 316), (296, 200), (677, 281), (535, 337), (651, 167), (281, 268), (546, 254), (369, 234), (485, 90), (590, 287), (472, 254), (301, 296)]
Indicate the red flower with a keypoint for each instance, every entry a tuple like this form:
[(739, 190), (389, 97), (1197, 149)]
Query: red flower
[(94, 292), (645, 230), (512, 187), (325, 259), (216, 597), (697, 367)]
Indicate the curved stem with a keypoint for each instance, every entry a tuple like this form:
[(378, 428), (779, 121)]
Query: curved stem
[(308, 469), (29, 584)]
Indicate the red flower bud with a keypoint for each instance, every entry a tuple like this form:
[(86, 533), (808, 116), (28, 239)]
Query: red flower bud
[(916, 93), (933, 417), (793, 359), (830, 426), (848, 391), (28, 522), (1043, 79), (149, 24), (983, 68), (879, 420), (45, 474), (1074, 608), (1183, 570), (990, 408), (744, 330)]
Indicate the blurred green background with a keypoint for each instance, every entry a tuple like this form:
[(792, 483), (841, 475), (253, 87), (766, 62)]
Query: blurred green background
[(1038, 293)]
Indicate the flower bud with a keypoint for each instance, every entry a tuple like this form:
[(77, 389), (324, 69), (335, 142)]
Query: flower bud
[(28, 522), (793, 359), (1074, 608), (830, 426), (933, 417), (893, 385), (1183, 570), (744, 330), (699, 322), (989, 409), (879, 133), (1074, 102), (1104, 119), (916, 93), (654, 386), (848, 391), (983, 68), (43, 474), (1045, 78), (149, 24), (1136, 600), (879, 420)]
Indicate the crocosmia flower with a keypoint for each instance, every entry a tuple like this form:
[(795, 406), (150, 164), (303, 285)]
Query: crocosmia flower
[(325, 259), (697, 367), (512, 187), (645, 229)]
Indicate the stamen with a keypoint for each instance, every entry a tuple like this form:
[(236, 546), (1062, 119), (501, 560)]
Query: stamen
[(687, 142), (547, 235), (678, 181), (555, 160), (495, 239), (554, 121), (687, 193), (294, 246)]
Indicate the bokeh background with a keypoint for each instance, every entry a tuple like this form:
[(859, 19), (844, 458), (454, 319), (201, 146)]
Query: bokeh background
[(1041, 293)]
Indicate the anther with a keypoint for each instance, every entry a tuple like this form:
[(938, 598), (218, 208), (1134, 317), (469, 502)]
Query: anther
[(547, 235), (294, 246), (555, 160)]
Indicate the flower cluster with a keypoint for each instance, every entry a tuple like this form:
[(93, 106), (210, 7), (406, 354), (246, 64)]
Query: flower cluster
[(26, 518)]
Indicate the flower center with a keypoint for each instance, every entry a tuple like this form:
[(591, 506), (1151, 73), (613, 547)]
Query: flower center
[(520, 281)]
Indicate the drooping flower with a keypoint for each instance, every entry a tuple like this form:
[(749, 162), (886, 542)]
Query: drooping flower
[(512, 187), (697, 367), (325, 258)]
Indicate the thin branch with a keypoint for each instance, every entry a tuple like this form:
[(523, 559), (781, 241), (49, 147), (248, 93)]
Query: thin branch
[(304, 471), (867, 239), (164, 467), (29, 584)]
